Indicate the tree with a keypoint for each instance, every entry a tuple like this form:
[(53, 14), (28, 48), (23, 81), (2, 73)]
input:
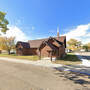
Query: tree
[(88, 45), (85, 47), (3, 22), (74, 44), (7, 43)]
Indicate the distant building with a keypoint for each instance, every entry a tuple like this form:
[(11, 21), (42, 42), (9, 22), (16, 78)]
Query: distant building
[(47, 47)]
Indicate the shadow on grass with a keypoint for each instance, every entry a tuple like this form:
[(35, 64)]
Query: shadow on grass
[(69, 57)]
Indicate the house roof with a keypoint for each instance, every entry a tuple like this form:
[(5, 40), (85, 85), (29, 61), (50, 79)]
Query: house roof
[(53, 47), (59, 42), (38, 42), (24, 44)]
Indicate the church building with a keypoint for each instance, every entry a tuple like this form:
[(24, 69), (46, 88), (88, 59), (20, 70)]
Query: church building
[(46, 47)]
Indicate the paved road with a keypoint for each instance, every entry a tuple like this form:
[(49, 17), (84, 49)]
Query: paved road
[(19, 76)]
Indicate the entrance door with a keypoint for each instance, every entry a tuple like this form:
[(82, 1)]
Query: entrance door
[(49, 53)]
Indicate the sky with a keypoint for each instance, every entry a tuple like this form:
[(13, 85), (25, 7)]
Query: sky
[(35, 19)]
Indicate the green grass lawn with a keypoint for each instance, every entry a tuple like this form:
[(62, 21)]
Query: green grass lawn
[(34, 58), (69, 59)]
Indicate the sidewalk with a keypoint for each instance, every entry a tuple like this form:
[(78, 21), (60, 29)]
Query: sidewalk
[(45, 63)]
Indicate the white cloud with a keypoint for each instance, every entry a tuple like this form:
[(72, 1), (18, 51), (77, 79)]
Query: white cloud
[(33, 27), (88, 35), (17, 33), (81, 32)]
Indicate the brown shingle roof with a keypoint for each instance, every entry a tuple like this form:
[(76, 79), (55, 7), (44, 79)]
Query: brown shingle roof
[(52, 46), (38, 42), (24, 44)]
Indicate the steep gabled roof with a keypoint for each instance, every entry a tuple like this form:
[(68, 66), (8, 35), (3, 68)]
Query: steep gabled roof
[(38, 42), (52, 46), (59, 42), (23, 44)]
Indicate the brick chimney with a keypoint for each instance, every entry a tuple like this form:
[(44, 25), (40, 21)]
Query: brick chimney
[(58, 32)]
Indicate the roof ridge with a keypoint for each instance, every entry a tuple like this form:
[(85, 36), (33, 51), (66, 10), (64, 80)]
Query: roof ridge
[(45, 38)]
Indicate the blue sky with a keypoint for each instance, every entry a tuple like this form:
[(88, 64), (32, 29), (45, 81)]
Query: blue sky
[(40, 18)]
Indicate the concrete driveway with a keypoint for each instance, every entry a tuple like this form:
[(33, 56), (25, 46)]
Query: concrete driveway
[(19, 76)]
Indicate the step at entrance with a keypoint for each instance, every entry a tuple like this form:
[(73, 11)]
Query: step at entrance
[(48, 58)]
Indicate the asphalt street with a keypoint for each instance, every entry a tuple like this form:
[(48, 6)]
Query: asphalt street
[(19, 76)]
